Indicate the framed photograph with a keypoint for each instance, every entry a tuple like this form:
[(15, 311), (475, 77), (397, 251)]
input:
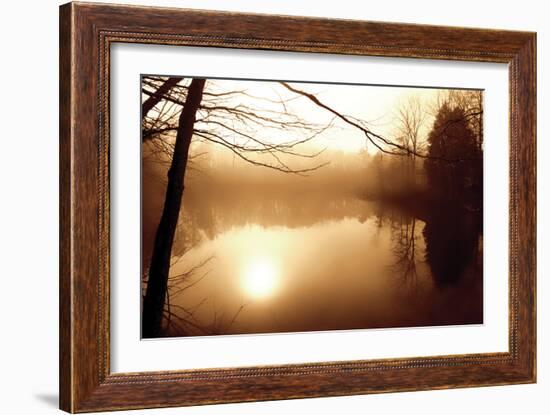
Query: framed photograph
[(260, 207)]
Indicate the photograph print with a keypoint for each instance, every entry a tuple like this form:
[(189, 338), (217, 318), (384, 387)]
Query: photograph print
[(281, 206)]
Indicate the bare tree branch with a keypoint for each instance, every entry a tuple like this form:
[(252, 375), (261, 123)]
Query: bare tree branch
[(159, 94)]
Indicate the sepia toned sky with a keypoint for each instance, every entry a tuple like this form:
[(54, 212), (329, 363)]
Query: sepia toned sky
[(376, 105)]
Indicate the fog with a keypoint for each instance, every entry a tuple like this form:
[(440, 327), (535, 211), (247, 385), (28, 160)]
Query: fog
[(342, 247), (283, 207)]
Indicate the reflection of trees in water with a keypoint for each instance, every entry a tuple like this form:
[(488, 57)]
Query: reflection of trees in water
[(452, 243), (439, 251), (405, 249), (449, 235), (211, 217)]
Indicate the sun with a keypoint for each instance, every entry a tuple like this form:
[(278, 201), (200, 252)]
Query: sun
[(260, 277)]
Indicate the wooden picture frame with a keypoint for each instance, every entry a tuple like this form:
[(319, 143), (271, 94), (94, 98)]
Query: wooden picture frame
[(86, 33)]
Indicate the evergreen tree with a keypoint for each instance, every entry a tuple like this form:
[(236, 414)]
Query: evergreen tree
[(454, 168)]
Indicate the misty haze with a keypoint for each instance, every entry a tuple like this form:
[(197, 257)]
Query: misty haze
[(273, 207)]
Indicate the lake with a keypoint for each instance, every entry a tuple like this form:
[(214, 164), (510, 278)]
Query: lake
[(274, 262)]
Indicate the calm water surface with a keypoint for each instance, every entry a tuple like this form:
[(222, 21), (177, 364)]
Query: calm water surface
[(285, 263)]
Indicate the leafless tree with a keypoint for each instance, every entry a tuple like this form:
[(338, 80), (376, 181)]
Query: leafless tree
[(176, 111), (157, 284), (224, 119), (411, 117)]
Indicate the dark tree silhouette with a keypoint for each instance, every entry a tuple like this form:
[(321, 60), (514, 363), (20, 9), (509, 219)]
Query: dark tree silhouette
[(452, 138), (153, 303), (224, 120), (158, 95), (454, 221), (451, 238), (195, 113)]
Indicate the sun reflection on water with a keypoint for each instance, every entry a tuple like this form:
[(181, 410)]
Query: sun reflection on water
[(260, 277)]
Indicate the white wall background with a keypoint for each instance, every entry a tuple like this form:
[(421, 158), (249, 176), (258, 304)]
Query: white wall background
[(29, 206)]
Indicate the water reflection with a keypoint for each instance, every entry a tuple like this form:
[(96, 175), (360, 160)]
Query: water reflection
[(260, 276), (285, 263), (452, 240)]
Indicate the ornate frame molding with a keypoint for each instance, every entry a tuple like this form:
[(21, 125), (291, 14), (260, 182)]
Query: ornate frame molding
[(86, 33)]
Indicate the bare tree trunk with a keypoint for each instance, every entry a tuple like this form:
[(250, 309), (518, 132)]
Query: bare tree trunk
[(155, 98), (155, 296)]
